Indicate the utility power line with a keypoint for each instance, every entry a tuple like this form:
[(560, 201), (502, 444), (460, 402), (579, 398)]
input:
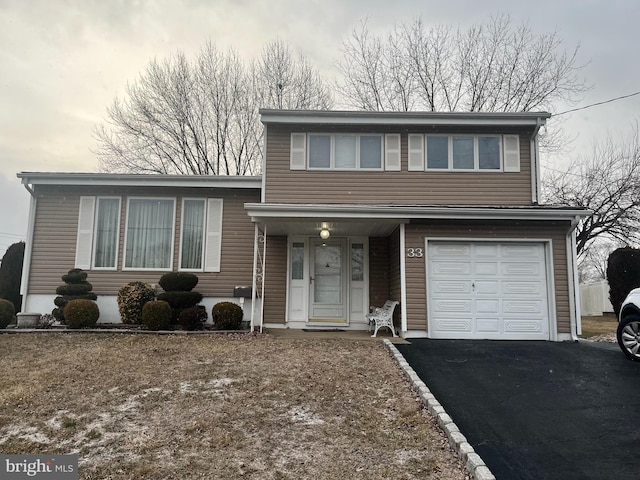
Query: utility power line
[(596, 104)]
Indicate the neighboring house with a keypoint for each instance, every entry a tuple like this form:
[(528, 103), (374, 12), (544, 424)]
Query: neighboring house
[(439, 211)]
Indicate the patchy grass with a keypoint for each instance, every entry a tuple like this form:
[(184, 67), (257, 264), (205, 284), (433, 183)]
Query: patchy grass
[(599, 325), (213, 406)]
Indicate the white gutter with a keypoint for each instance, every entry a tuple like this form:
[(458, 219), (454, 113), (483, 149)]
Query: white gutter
[(259, 212), (136, 180), (336, 117)]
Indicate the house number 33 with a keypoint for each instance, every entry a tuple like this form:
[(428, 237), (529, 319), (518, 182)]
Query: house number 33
[(414, 253)]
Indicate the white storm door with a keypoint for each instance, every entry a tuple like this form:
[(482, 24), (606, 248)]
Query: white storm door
[(327, 292)]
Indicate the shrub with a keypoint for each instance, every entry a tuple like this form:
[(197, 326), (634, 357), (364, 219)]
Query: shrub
[(227, 316), (623, 275), (193, 318), (181, 300), (156, 315), (74, 289), (75, 275), (178, 282), (11, 274), (81, 313), (7, 312), (131, 299)]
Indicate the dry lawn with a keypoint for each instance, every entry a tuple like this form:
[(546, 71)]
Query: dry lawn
[(596, 326), (217, 407)]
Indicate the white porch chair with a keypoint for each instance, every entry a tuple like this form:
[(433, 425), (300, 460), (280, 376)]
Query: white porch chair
[(382, 317)]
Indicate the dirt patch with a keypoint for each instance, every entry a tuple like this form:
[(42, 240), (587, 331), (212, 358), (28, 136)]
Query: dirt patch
[(245, 406)]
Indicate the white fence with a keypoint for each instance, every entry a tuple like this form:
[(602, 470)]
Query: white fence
[(594, 298)]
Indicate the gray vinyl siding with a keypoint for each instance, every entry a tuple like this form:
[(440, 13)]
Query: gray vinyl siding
[(416, 267), (275, 287), (283, 185), (56, 226)]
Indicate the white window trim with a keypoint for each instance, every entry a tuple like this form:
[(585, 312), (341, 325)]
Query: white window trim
[(476, 156), (204, 234), (332, 152), (95, 234), (126, 234)]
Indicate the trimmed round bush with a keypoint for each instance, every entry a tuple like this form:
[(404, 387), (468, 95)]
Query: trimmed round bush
[(81, 313), (7, 312), (156, 315), (181, 299), (178, 282), (75, 275), (227, 316), (193, 318), (131, 299), (74, 289)]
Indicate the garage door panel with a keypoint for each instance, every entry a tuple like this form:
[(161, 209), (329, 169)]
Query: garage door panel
[(523, 306), (457, 250), (488, 325), (486, 268), (452, 287), (523, 288), (495, 290), (518, 269), (457, 324), (449, 268), (487, 306), (487, 287), (443, 306), (518, 325)]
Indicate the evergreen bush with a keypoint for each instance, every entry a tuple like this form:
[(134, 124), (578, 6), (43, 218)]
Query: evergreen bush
[(227, 316), (623, 275), (178, 282), (156, 315), (7, 312), (81, 313), (193, 318), (131, 299), (11, 274), (75, 288)]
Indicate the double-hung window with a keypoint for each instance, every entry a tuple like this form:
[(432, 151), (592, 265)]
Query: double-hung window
[(149, 234)]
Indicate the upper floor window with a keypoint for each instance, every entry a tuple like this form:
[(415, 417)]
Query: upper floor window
[(337, 151), (464, 152)]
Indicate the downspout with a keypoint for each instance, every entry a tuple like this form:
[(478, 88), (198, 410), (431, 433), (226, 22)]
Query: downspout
[(535, 164), (572, 276), (26, 265)]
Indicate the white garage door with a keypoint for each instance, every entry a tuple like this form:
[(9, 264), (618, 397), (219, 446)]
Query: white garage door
[(487, 290)]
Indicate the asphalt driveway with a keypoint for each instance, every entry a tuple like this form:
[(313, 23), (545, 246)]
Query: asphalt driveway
[(538, 410)]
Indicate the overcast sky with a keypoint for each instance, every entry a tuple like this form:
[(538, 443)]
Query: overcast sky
[(62, 62)]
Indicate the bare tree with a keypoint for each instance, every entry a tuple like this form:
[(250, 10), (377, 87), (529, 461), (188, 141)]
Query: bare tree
[(592, 264), (488, 67), (608, 184), (201, 117)]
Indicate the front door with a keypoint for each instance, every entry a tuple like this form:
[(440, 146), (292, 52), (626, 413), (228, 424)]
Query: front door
[(328, 285)]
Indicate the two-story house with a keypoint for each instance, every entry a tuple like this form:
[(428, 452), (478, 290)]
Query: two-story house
[(438, 211)]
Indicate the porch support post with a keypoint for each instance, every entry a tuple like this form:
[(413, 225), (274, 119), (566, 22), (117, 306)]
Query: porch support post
[(403, 281), (257, 319)]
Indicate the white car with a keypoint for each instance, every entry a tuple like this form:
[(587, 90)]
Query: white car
[(629, 325)]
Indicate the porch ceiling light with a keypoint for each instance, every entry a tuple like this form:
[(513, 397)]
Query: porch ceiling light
[(325, 233)]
